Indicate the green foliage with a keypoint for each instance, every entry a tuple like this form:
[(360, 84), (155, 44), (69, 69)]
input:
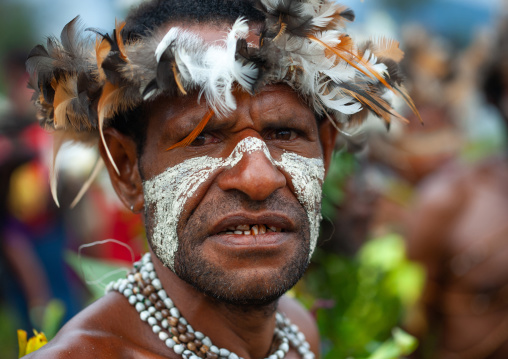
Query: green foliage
[(400, 344), (342, 165), (52, 318), (15, 32), (96, 273), (365, 297), (8, 342)]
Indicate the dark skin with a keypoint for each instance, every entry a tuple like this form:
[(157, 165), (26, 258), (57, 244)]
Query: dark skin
[(458, 231), (111, 327)]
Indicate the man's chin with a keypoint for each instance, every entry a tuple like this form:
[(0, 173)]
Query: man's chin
[(243, 287)]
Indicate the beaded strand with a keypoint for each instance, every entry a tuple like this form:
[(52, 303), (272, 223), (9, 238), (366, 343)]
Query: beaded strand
[(144, 291)]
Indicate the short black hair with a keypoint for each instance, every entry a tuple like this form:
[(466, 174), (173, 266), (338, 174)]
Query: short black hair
[(150, 15)]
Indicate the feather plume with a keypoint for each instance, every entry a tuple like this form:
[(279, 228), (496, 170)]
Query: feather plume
[(63, 96), (345, 55), (59, 138), (106, 101), (119, 40), (81, 85), (69, 36), (168, 40), (99, 165), (243, 72), (409, 102), (195, 132), (176, 77), (102, 49), (387, 48), (332, 16)]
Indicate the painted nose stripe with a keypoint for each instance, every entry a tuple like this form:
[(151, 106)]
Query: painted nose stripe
[(167, 193)]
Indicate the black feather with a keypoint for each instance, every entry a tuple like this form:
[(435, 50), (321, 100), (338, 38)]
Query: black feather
[(348, 14), (68, 36), (395, 75), (152, 85), (165, 77)]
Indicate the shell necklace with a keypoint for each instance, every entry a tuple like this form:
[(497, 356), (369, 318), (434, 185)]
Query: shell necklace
[(144, 291)]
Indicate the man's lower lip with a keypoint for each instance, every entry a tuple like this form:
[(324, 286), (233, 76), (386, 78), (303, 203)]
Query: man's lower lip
[(251, 241)]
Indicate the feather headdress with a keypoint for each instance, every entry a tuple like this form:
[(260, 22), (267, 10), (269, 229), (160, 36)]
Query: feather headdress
[(80, 85)]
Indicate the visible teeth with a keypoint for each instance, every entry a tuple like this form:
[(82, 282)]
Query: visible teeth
[(255, 229)]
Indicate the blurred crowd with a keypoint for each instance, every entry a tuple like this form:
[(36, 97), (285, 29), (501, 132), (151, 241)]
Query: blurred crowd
[(441, 185)]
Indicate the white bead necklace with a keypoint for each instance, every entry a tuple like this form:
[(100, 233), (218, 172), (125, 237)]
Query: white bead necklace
[(144, 291)]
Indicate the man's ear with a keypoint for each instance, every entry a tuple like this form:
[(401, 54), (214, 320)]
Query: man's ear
[(127, 181), (327, 135)]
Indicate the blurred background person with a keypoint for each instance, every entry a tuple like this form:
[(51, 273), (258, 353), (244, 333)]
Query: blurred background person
[(459, 230)]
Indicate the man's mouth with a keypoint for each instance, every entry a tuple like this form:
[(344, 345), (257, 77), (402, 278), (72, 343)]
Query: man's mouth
[(251, 229)]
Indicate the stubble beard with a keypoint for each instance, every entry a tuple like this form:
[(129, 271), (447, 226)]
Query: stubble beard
[(242, 288), (239, 289)]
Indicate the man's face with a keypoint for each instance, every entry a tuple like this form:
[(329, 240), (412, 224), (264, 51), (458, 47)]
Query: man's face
[(235, 214), (258, 168)]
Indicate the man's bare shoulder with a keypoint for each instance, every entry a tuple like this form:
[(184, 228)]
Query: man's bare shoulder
[(105, 329), (303, 319)]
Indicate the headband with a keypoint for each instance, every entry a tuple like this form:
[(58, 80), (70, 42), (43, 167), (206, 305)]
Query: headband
[(81, 84)]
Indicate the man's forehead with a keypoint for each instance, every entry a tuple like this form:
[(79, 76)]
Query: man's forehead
[(214, 32), (270, 101)]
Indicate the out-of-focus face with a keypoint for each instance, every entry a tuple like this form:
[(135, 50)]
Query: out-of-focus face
[(236, 213)]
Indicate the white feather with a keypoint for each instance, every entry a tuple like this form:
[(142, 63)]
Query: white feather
[(370, 58), (246, 74), (339, 102), (326, 15), (170, 36), (329, 37)]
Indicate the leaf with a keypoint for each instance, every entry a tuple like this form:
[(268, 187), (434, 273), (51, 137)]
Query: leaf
[(53, 317), (400, 345), (93, 271)]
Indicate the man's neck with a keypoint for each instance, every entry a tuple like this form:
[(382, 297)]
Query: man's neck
[(245, 330)]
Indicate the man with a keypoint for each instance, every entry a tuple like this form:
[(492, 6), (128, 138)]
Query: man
[(216, 119), (458, 230)]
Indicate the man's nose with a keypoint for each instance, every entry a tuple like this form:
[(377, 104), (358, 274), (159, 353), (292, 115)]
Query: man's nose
[(255, 175)]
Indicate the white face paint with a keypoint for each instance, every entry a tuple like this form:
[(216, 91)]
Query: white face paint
[(169, 191)]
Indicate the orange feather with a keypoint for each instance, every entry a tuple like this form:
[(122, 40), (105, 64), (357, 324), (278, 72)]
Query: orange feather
[(283, 27), (388, 48), (119, 40), (410, 103), (177, 80), (63, 95), (385, 115), (338, 52), (102, 49), (195, 133)]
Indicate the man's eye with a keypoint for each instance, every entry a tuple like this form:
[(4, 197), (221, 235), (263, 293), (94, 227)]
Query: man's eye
[(204, 139), (283, 135), (199, 140)]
